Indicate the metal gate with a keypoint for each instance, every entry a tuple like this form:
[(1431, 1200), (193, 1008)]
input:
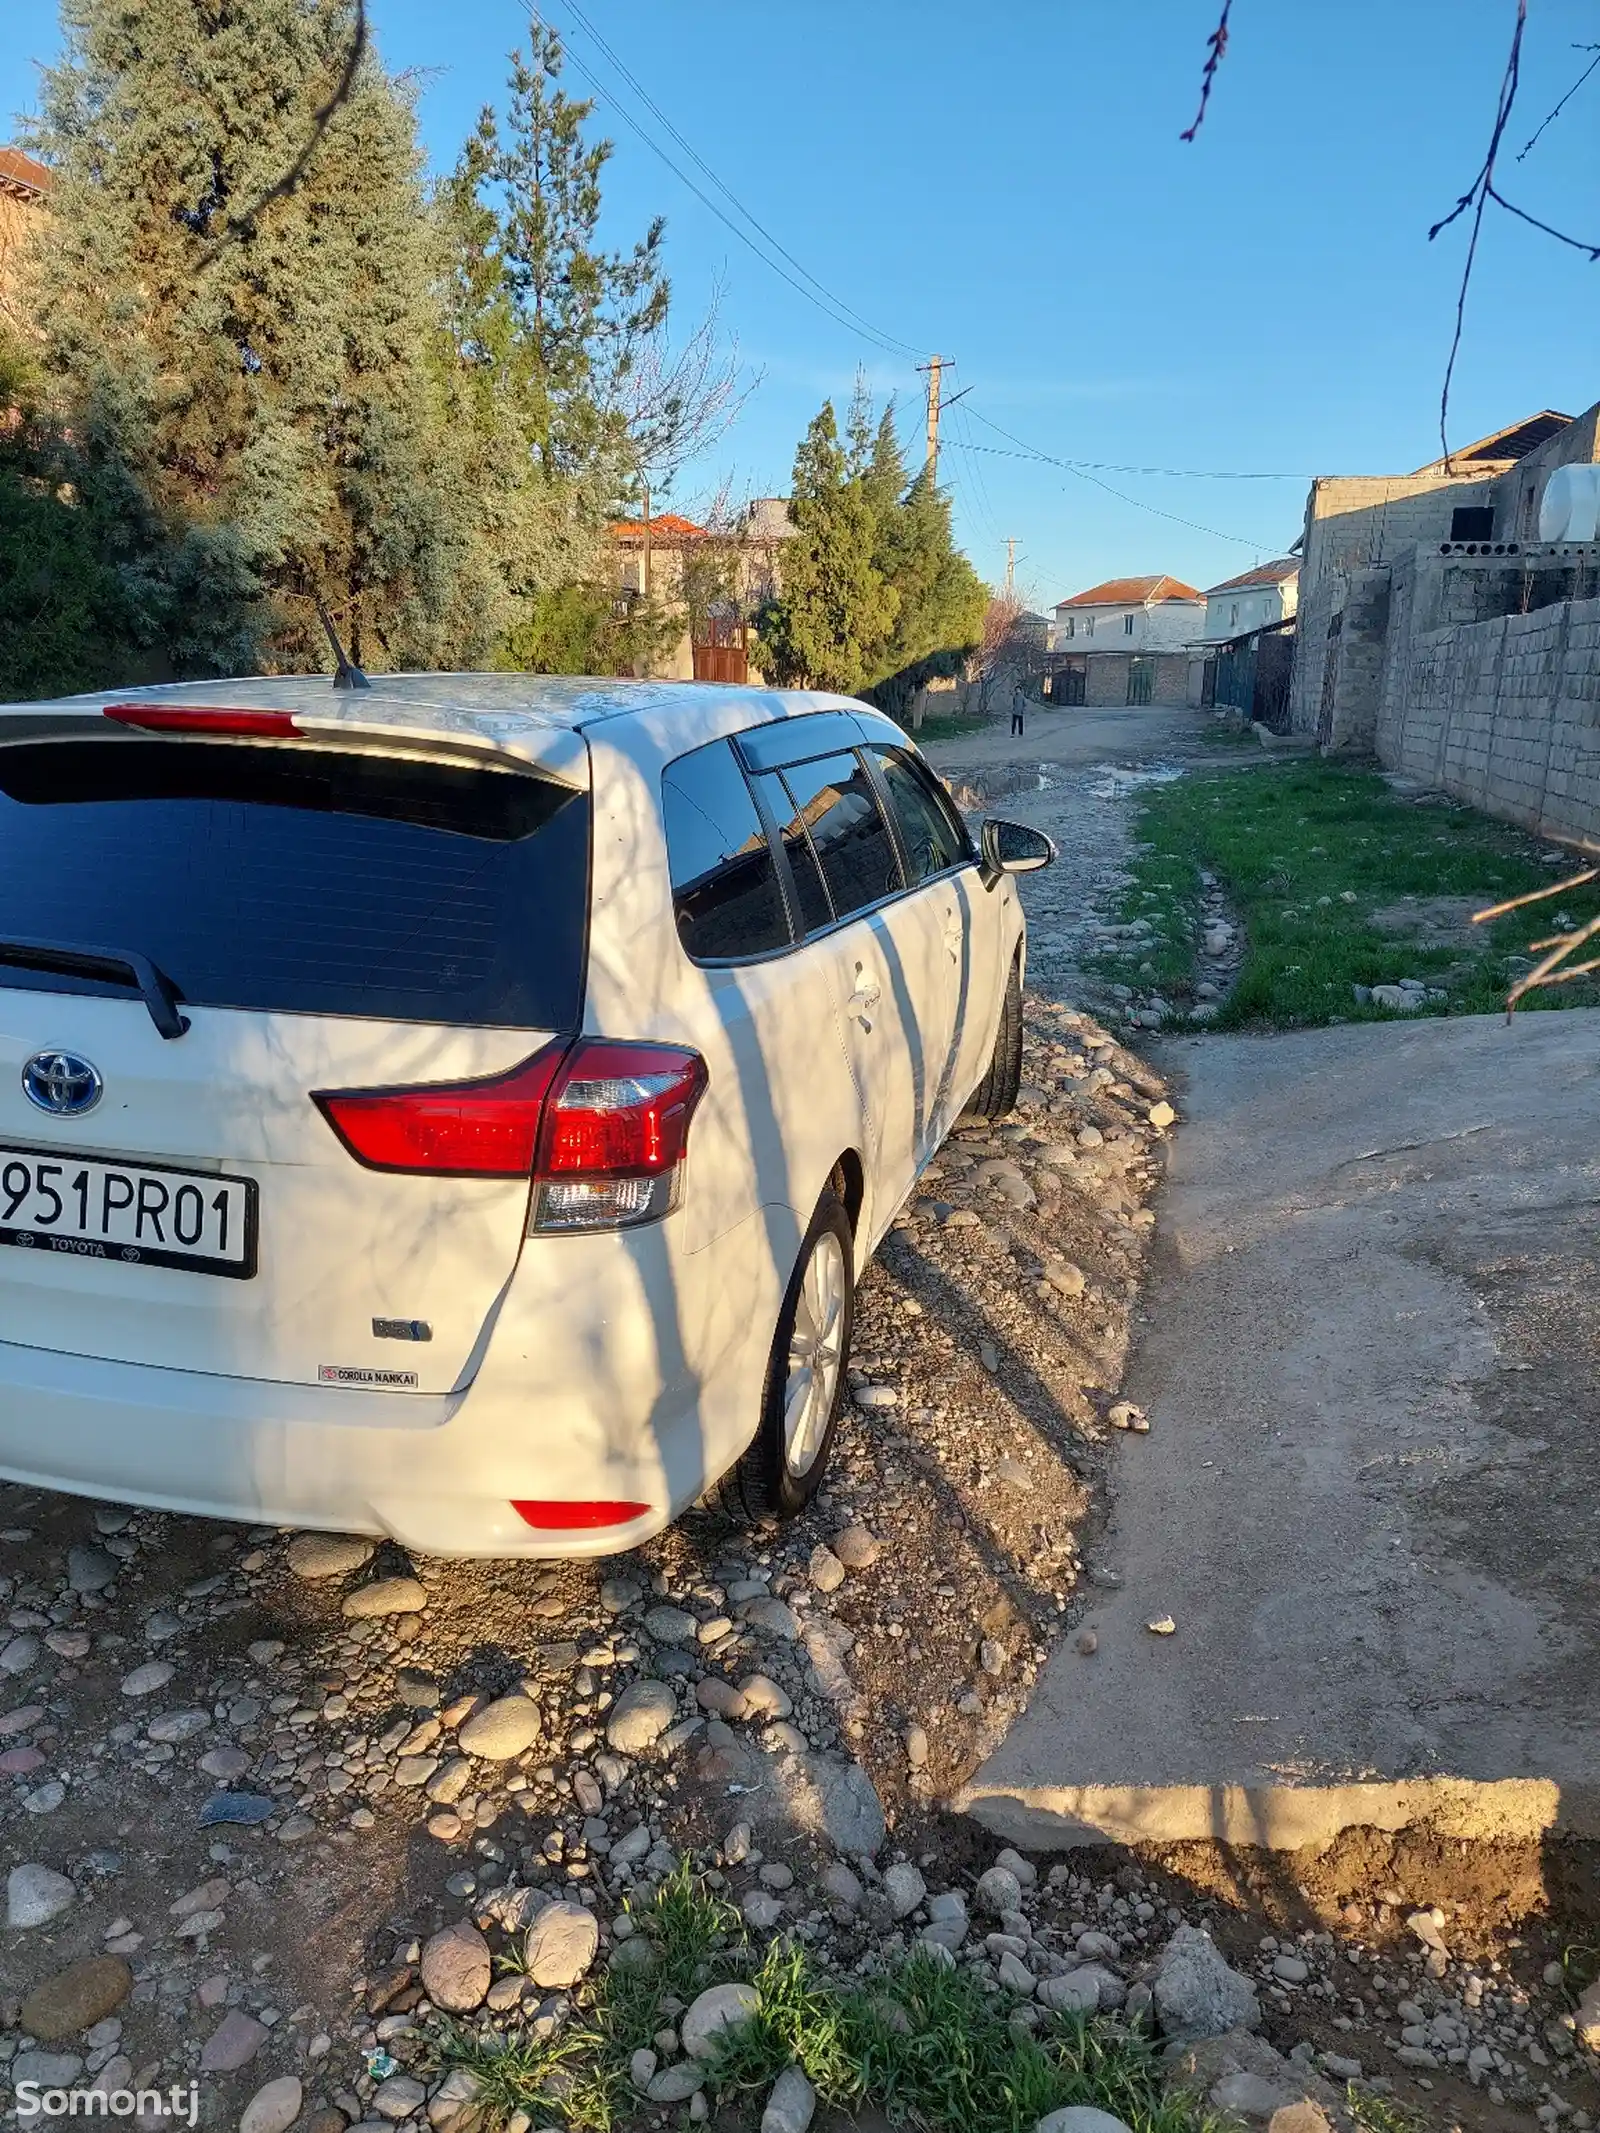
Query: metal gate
[(1141, 678)]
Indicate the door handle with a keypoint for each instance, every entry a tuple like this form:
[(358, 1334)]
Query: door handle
[(865, 998)]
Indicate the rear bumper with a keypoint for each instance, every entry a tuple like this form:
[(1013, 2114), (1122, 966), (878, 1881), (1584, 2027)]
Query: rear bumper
[(641, 1390)]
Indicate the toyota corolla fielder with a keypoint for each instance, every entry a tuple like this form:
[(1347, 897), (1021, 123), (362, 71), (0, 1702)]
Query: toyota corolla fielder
[(461, 1109)]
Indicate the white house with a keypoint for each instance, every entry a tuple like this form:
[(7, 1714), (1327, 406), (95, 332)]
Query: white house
[(1125, 642), (1253, 600)]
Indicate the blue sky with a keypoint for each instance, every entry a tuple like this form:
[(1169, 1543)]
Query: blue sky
[(1007, 186)]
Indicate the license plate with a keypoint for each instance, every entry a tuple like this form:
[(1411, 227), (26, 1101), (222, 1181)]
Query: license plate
[(88, 1208)]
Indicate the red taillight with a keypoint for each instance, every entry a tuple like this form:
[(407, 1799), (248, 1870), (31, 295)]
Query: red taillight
[(567, 1517), (601, 1129), (621, 1111), (205, 718), (464, 1129)]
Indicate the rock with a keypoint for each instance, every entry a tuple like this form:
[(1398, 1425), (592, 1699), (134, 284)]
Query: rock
[(842, 1886), (329, 1555), (453, 2102), (178, 1725), (1400, 999), (832, 1797), (998, 1891), (51, 2070), (385, 1596), (1065, 1278), (641, 1714), (1196, 1994), (764, 1696), (1087, 1643), (721, 1697), (718, 2009), (760, 1911), (225, 1763), (770, 1618), (856, 1548), (1162, 1626), (18, 1655), (671, 1625), (501, 1730), (35, 1894), (398, 2097), (904, 1887), (1161, 1116), (276, 2105), (1080, 2118), (642, 2067), (91, 1569), (791, 2104), (76, 1998), (146, 1679), (233, 2043), (1586, 2017), (676, 2084), (826, 1571), (457, 1968), (876, 1396), (46, 1798), (1290, 1969), (561, 1945), (1015, 1975), (1078, 1992), (916, 1746), (447, 1785)]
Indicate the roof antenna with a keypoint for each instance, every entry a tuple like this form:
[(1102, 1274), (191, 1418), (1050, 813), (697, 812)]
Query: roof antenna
[(347, 674)]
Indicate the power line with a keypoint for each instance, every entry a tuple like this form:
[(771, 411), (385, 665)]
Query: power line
[(1109, 466), (833, 307), (1081, 473)]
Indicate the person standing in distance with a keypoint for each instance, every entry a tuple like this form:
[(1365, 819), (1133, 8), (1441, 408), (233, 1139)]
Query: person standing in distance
[(1019, 704)]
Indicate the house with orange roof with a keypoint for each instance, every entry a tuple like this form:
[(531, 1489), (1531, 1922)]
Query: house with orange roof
[(717, 577), (1124, 641), (24, 188)]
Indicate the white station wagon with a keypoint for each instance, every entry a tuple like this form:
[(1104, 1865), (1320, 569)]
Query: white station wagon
[(461, 1108)]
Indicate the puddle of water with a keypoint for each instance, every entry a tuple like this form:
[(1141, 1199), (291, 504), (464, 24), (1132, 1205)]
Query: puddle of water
[(1118, 780)]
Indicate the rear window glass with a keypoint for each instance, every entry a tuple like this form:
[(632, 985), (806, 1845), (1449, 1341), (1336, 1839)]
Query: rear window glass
[(724, 881), (303, 881)]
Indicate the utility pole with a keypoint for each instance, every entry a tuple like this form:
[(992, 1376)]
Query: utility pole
[(934, 367), (1011, 564)]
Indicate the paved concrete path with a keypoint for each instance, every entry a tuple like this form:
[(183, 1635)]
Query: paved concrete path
[(1371, 1495)]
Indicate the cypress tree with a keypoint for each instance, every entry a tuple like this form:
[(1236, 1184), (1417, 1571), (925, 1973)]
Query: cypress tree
[(244, 347), (834, 606)]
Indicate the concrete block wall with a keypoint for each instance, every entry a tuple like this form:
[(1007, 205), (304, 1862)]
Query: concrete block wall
[(1106, 680), (1505, 714)]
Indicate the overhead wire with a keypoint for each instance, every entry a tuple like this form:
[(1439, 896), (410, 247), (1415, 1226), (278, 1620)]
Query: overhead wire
[(818, 293)]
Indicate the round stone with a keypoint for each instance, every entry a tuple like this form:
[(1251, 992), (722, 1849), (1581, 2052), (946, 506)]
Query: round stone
[(1080, 2118), (76, 1998), (562, 1942), (998, 1891), (671, 1625), (856, 1548), (501, 1730), (717, 2010), (274, 2107), (35, 1894), (641, 1715), (146, 1679), (385, 1596), (91, 1569), (457, 1968), (328, 1555)]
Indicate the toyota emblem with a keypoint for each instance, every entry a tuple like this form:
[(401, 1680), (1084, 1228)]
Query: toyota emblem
[(62, 1083)]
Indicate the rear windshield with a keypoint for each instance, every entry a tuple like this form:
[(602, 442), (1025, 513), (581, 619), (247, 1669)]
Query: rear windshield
[(282, 878)]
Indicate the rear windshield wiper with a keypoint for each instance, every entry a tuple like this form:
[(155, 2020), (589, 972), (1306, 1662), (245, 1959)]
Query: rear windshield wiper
[(119, 966)]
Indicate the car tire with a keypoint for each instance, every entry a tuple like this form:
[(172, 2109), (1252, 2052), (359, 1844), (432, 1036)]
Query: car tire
[(784, 1465), (995, 1097)]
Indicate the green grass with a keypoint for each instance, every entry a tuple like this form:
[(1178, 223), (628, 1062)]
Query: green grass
[(922, 2042), (947, 729), (1305, 852)]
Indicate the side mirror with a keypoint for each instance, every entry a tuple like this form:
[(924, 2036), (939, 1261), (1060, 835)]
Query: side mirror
[(1012, 848)]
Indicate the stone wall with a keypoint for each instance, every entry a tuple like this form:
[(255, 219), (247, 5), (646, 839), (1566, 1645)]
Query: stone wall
[(1503, 714)]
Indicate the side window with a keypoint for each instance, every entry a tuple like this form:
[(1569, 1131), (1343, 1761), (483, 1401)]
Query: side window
[(815, 909), (834, 800), (930, 829), (724, 881)]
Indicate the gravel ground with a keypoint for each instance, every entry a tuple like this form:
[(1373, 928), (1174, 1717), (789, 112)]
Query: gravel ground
[(247, 1779)]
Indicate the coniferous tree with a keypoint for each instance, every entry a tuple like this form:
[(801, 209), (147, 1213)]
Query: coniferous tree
[(833, 605), (242, 362)]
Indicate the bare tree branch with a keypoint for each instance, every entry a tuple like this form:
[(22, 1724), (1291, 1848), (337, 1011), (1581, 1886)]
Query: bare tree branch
[(1551, 116), (1216, 46), (676, 402)]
